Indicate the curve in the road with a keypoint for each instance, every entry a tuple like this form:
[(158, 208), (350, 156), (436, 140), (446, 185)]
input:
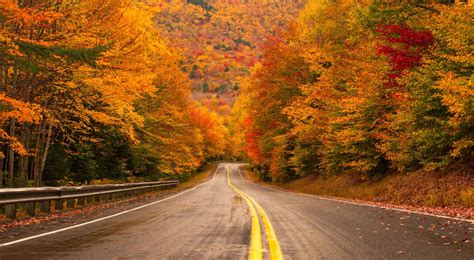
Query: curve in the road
[(255, 251), (214, 222), (274, 246)]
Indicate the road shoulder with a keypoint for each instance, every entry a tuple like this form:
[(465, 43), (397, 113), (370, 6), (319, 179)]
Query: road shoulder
[(442, 212), (11, 230)]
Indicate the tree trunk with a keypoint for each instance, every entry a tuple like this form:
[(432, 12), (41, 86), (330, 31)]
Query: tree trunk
[(46, 149), (15, 78), (1, 171), (27, 147), (5, 82), (11, 154), (1, 77), (23, 161), (39, 149), (21, 158)]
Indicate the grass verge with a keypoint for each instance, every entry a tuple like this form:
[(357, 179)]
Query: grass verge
[(450, 193)]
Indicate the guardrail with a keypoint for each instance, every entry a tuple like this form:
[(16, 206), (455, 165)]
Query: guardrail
[(29, 198)]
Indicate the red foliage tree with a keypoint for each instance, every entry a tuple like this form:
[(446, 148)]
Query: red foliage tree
[(405, 48), (252, 138)]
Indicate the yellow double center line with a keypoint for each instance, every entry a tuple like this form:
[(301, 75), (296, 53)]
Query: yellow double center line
[(256, 237)]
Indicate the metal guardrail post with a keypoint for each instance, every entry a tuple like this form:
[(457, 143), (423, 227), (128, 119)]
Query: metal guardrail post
[(31, 209), (70, 203), (45, 206), (10, 211), (81, 201), (59, 205)]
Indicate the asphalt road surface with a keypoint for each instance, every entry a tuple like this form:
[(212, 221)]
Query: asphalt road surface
[(229, 218)]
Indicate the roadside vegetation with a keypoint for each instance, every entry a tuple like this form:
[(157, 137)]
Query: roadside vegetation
[(367, 99), (91, 90), (447, 193)]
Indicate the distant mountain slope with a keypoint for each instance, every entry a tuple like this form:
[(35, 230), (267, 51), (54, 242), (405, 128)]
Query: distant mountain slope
[(221, 41)]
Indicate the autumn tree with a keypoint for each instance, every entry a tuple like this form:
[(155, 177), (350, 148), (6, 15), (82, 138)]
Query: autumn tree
[(427, 129), (388, 89)]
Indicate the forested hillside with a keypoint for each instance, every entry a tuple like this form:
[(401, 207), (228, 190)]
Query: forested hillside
[(368, 87), (221, 41)]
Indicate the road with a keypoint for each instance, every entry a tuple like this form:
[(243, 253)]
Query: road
[(229, 218)]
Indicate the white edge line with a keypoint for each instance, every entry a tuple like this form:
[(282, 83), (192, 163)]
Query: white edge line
[(108, 217), (357, 203)]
